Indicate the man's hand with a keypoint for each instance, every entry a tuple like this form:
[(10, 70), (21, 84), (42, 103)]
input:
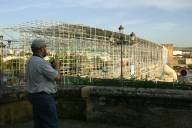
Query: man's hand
[(55, 64)]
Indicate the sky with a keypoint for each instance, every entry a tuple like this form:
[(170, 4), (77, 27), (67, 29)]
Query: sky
[(160, 21)]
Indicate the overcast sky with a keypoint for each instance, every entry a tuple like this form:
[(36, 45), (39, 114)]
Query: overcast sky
[(161, 21)]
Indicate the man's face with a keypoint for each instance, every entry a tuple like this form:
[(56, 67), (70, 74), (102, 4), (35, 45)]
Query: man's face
[(44, 51)]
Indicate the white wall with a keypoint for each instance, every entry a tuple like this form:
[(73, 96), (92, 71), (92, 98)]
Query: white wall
[(188, 60), (177, 53)]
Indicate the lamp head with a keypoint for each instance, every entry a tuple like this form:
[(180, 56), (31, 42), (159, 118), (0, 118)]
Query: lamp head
[(121, 28), (132, 36)]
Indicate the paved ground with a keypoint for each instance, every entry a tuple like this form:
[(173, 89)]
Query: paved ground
[(70, 124)]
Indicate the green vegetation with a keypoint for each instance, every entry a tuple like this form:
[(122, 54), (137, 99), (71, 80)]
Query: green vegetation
[(126, 83), (190, 66)]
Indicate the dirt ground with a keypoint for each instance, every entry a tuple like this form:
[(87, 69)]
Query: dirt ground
[(69, 124)]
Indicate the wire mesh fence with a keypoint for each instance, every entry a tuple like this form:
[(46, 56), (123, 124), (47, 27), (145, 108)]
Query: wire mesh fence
[(86, 53)]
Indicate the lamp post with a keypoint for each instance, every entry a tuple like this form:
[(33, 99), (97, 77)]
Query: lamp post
[(1, 46), (132, 39), (121, 28)]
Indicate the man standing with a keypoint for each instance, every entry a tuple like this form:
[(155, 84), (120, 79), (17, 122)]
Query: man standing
[(41, 78)]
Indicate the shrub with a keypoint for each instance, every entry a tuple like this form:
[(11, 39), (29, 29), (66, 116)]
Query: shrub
[(190, 66)]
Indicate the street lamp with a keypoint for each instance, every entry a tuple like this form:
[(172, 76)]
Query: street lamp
[(132, 36), (1, 46), (9, 43), (121, 28), (132, 39), (1, 38), (1, 42)]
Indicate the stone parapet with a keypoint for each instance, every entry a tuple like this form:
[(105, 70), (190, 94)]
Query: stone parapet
[(140, 108), (133, 107)]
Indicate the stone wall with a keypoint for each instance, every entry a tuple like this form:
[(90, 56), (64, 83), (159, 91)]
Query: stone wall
[(14, 108), (70, 104), (133, 107), (140, 108)]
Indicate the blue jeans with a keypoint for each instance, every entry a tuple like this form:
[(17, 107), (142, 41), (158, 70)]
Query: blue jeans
[(44, 110)]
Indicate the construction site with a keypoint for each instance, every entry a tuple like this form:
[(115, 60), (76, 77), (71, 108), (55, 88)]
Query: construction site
[(110, 79), (84, 52)]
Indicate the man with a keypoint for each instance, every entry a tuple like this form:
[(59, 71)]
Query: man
[(41, 78)]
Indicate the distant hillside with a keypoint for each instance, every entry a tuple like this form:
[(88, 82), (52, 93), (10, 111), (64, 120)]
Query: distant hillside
[(183, 48)]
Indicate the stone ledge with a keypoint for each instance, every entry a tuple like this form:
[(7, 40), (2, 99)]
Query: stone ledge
[(141, 92), (136, 107)]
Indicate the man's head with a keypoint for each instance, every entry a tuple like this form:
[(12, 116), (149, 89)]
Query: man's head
[(38, 47)]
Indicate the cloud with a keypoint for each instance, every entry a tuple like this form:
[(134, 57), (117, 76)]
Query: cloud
[(135, 21), (118, 4), (165, 26), (170, 4), (107, 4), (97, 4), (24, 7)]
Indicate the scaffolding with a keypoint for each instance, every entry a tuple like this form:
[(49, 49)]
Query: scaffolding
[(84, 52)]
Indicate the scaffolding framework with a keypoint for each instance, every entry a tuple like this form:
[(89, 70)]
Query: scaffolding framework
[(83, 51)]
